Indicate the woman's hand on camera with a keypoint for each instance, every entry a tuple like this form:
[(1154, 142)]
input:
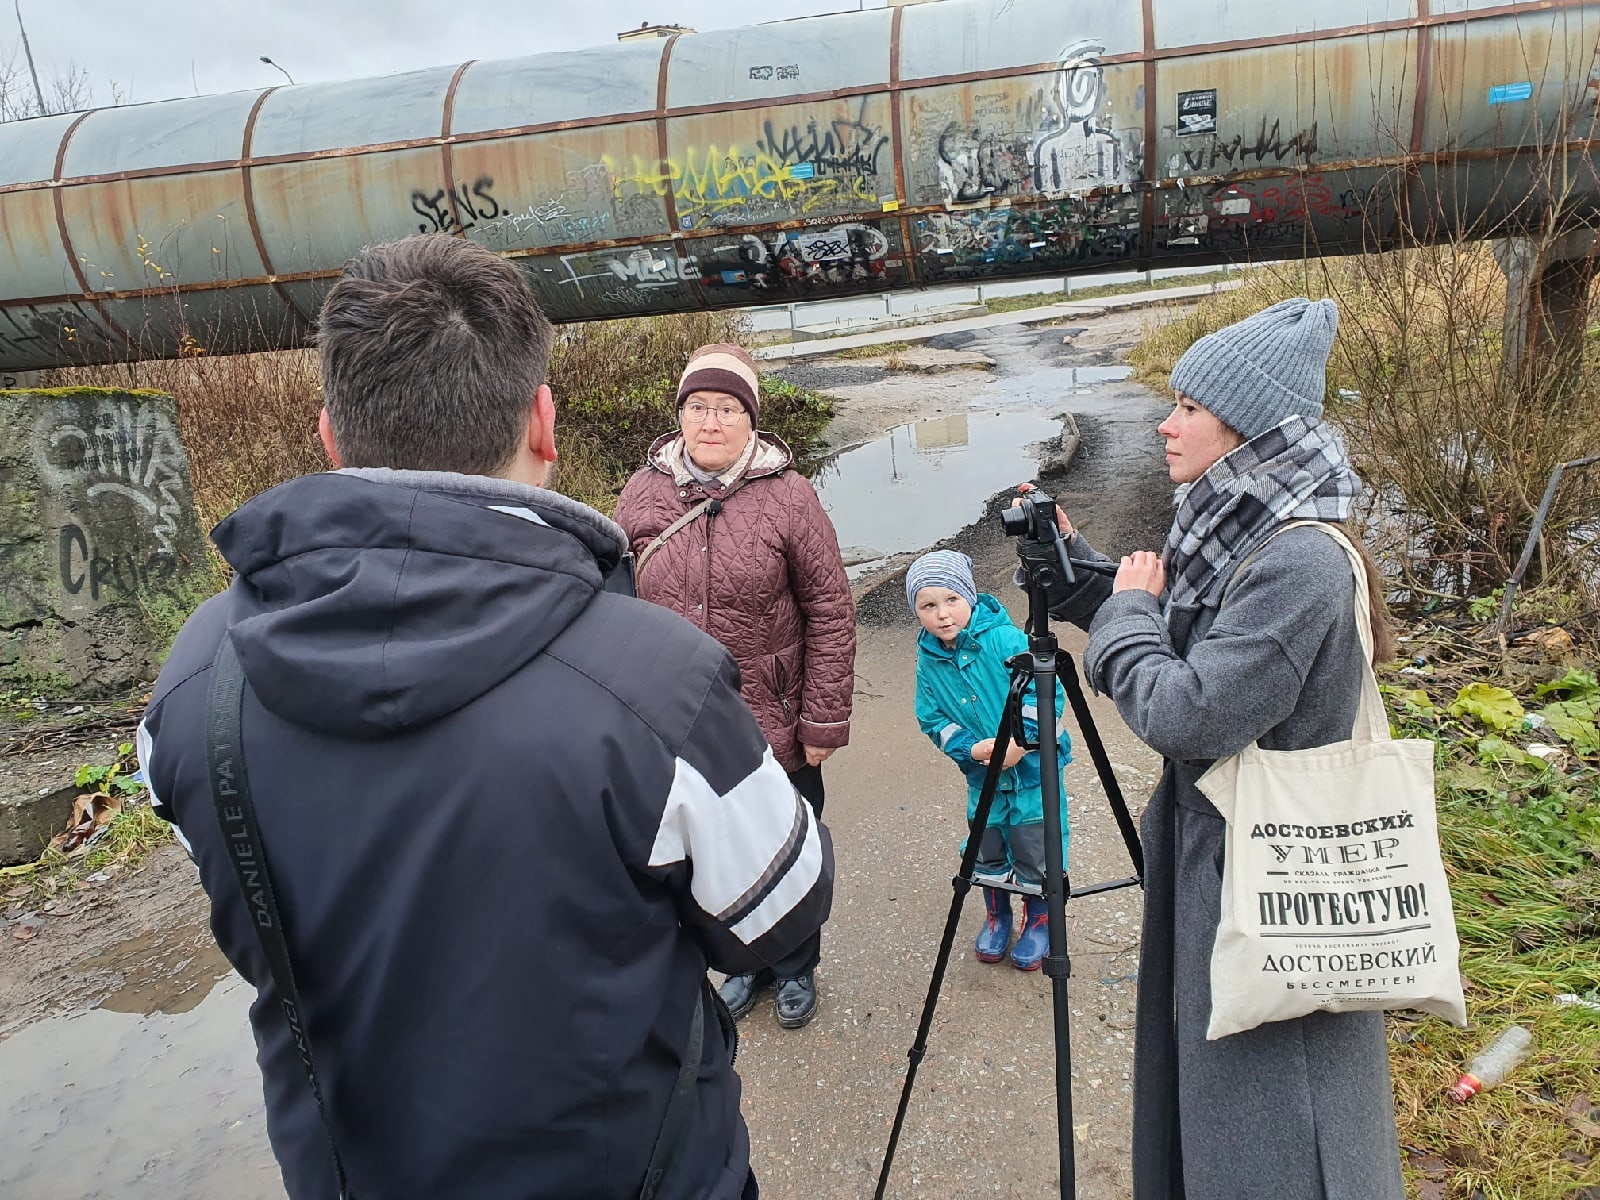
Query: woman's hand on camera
[(1141, 570), (1064, 525)]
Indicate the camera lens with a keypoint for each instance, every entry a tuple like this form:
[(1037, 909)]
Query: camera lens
[(1015, 521)]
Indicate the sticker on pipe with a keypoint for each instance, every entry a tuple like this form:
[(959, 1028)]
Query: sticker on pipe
[(1510, 93), (1197, 112)]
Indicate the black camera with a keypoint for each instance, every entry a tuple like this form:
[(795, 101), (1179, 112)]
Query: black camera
[(1034, 518)]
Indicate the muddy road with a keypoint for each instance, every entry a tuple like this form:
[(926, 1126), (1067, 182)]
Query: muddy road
[(127, 1062)]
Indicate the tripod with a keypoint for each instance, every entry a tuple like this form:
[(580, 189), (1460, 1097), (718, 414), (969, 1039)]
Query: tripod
[(1044, 562)]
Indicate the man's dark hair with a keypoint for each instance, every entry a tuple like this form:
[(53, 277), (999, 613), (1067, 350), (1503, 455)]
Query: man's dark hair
[(431, 349)]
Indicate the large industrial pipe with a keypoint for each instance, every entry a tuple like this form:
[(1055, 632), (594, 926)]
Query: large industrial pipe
[(819, 157)]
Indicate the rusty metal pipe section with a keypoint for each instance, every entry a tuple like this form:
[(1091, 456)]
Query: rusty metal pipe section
[(961, 141)]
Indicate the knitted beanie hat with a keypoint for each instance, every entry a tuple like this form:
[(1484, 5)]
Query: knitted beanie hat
[(1259, 372), (723, 367), (941, 568)]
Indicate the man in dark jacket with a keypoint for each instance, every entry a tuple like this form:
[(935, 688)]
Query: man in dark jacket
[(510, 815)]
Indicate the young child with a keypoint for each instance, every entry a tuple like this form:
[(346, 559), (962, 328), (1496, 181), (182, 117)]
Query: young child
[(962, 683)]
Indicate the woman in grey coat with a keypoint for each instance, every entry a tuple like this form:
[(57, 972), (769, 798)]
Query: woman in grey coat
[(1219, 642)]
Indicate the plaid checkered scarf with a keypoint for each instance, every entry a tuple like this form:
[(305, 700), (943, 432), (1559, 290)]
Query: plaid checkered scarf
[(1297, 470)]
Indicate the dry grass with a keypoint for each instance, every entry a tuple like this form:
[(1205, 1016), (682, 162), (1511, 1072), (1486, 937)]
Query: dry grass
[(249, 421), (1521, 844), (869, 352)]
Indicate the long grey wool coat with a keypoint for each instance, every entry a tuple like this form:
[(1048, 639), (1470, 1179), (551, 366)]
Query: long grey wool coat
[(1290, 1110)]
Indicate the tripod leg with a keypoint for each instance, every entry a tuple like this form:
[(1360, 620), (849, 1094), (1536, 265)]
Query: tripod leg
[(1057, 965), (962, 884), (1102, 763)]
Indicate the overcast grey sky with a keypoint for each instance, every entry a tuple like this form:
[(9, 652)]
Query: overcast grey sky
[(158, 49)]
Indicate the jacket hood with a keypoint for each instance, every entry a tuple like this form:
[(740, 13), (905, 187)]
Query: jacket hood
[(369, 601), (668, 452), (986, 614)]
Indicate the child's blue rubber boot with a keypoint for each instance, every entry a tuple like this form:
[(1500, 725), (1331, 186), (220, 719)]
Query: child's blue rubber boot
[(1033, 943), (995, 935)]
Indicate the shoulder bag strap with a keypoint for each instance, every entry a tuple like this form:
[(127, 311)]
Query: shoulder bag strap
[(230, 790), (660, 539), (1372, 721)]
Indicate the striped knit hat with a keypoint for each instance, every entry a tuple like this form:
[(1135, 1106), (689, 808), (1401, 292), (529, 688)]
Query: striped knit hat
[(1257, 373), (723, 367), (941, 568)]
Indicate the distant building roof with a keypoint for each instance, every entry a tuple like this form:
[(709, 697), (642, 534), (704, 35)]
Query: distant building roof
[(647, 30)]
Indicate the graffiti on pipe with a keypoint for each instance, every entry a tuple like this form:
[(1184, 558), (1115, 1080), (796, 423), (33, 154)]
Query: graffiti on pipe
[(474, 202), (1061, 234), (1058, 139), (823, 167), (778, 264), (1225, 154), (1258, 213), (592, 207)]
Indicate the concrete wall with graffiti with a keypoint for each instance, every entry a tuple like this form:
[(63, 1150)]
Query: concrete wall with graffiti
[(100, 550), (818, 157)]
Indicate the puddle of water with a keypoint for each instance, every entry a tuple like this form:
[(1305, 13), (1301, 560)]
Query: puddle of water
[(922, 482), (1049, 385), (112, 1105), (168, 971)]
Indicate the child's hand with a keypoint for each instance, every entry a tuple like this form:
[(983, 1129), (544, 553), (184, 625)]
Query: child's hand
[(983, 751)]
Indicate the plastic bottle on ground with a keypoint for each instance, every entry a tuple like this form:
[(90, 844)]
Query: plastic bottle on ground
[(1494, 1063)]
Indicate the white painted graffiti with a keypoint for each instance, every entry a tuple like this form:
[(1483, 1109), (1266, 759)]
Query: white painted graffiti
[(1057, 142), (125, 451), (1072, 151)]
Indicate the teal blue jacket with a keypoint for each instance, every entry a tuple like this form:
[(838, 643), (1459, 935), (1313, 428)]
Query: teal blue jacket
[(961, 693)]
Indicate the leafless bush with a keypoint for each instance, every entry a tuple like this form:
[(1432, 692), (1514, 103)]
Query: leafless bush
[(68, 91)]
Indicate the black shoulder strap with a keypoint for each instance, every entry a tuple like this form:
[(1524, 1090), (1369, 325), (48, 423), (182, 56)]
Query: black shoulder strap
[(230, 789), (675, 1124)]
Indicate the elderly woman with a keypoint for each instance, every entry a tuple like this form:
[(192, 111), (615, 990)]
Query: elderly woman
[(731, 537), (1227, 639)]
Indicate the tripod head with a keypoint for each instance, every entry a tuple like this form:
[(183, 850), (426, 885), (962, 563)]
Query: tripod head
[(1043, 553)]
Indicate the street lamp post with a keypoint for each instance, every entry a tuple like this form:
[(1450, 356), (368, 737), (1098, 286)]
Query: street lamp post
[(274, 65)]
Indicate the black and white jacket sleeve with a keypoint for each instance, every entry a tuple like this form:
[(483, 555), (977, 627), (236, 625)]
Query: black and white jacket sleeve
[(754, 865)]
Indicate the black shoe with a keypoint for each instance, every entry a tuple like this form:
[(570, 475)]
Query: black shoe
[(797, 1001), (739, 992)]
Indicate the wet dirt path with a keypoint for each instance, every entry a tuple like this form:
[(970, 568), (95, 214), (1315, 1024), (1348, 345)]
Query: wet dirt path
[(154, 1092)]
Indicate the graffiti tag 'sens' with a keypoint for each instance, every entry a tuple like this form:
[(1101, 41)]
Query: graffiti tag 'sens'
[(474, 202), (128, 573)]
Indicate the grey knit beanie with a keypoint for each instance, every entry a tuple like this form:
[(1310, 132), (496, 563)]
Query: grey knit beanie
[(941, 568), (1259, 372)]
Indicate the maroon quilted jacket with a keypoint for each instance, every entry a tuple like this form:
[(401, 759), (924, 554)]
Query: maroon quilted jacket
[(764, 578)]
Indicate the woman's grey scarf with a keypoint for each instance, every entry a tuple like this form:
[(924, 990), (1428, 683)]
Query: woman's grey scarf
[(1298, 470)]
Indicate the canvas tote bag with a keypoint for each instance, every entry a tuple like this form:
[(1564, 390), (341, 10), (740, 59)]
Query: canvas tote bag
[(1334, 895)]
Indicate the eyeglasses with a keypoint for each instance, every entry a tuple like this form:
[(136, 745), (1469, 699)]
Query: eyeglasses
[(727, 414)]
